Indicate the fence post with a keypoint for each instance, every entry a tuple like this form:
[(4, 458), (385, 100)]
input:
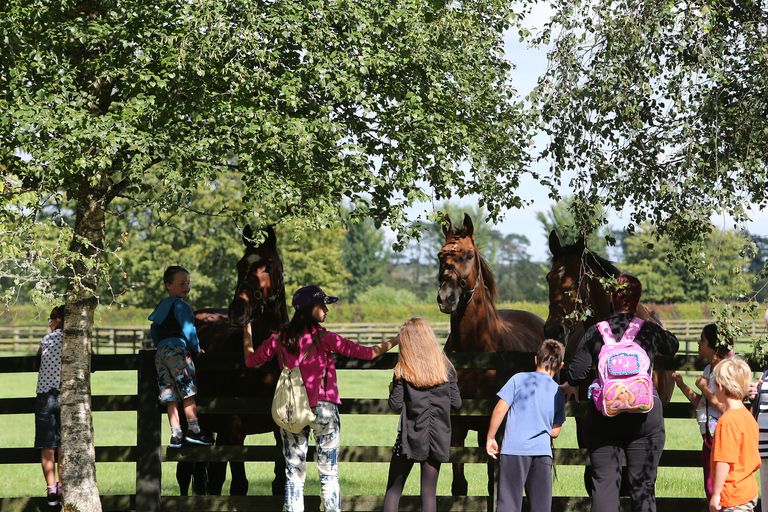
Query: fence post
[(148, 429)]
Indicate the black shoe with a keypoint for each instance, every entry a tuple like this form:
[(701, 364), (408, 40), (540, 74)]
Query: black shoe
[(53, 498), (175, 442), (203, 437)]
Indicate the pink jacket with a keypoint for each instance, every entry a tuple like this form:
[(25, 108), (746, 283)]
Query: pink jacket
[(317, 369)]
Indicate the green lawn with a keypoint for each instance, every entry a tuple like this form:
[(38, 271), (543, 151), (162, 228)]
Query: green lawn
[(119, 428)]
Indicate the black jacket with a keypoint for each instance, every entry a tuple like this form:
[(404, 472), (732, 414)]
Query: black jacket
[(426, 421)]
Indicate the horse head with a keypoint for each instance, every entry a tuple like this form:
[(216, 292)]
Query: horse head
[(260, 288), (575, 287), (461, 267)]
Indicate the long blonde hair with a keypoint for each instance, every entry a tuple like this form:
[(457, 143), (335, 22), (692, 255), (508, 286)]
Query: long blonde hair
[(421, 361)]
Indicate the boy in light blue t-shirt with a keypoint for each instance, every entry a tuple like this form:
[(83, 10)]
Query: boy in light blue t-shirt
[(535, 410)]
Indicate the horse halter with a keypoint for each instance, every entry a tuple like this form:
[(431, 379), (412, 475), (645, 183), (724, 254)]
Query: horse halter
[(466, 295), (263, 302)]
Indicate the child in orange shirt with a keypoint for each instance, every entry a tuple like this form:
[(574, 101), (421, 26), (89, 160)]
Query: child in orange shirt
[(735, 457)]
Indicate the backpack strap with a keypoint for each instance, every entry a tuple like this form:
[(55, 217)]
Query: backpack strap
[(606, 333), (629, 334), (315, 340), (632, 330)]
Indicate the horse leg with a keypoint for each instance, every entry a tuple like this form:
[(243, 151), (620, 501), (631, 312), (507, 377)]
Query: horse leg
[(239, 484), (459, 486), (184, 477), (200, 478), (278, 484), (482, 435)]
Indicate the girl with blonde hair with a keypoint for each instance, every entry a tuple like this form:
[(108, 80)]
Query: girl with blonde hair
[(424, 390)]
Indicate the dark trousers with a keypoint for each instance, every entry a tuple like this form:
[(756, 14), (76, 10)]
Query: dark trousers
[(532, 473), (607, 454)]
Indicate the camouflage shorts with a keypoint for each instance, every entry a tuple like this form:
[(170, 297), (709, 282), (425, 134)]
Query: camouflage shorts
[(175, 373)]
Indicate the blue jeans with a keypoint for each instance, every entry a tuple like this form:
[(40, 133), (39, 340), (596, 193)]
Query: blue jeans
[(326, 428), (48, 419)]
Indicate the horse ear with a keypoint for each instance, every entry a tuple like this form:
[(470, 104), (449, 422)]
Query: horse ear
[(447, 226), (248, 236), (582, 241), (554, 243), (271, 241), (469, 228)]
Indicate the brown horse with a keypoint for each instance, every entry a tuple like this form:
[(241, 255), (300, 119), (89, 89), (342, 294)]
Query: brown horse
[(467, 292), (260, 299), (578, 299)]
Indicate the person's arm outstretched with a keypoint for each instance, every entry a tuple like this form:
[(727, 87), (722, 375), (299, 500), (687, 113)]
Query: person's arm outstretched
[(385, 346)]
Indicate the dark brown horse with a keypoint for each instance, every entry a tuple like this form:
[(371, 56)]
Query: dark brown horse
[(467, 292), (260, 299), (578, 299)]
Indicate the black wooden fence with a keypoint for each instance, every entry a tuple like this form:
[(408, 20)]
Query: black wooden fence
[(149, 453)]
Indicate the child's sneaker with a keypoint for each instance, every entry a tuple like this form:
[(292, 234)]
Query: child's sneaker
[(53, 497), (175, 442), (203, 437)]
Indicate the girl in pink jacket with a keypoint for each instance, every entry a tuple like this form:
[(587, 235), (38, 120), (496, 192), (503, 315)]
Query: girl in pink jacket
[(319, 374)]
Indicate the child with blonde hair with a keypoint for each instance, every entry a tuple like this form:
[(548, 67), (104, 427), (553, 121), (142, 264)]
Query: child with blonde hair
[(424, 390), (735, 456)]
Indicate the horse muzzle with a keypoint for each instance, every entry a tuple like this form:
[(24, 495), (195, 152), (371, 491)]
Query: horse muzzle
[(240, 312), (555, 331), (447, 299)]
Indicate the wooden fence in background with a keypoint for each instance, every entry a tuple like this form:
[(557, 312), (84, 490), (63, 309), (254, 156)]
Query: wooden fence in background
[(149, 453), (130, 339)]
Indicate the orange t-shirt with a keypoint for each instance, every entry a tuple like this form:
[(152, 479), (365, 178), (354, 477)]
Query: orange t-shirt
[(735, 442)]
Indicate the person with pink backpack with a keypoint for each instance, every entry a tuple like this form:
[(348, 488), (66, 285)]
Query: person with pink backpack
[(624, 414)]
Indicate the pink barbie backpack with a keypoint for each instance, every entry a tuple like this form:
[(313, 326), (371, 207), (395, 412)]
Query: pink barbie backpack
[(623, 381)]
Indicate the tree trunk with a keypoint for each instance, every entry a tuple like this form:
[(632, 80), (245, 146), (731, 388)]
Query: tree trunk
[(78, 455)]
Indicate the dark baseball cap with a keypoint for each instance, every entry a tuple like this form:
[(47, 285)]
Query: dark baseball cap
[(309, 295)]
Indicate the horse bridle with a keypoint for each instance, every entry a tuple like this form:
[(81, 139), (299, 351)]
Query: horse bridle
[(263, 302), (466, 295)]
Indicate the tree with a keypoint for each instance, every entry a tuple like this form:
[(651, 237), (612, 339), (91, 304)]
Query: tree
[(309, 102), (724, 274), (657, 110), (363, 257), (562, 218), (659, 106)]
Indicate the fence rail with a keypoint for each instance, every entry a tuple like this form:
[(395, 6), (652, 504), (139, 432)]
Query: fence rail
[(130, 339), (149, 454)]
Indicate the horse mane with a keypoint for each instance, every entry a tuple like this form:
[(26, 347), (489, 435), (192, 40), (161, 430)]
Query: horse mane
[(491, 288), (276, 275), (594, 261)]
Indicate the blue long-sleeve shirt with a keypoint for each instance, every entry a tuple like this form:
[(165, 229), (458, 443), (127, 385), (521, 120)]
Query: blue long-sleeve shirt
[(173, 323)]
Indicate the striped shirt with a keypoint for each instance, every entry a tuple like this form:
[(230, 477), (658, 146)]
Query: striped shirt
[(762, 415)]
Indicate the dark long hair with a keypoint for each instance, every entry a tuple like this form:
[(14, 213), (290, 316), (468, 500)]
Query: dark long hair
[(291, 335), (721, 346)]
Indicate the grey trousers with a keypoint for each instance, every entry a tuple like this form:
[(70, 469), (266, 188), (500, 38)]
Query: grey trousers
[(530, 473)]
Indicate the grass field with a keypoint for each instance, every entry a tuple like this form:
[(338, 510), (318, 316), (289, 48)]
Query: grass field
[(119, 428)]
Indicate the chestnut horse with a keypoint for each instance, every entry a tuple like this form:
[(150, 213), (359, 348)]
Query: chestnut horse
[(467, 292), (260, 299), (578, 299)]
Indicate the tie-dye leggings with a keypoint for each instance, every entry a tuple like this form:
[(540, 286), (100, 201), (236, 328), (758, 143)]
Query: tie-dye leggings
[(326, 428)]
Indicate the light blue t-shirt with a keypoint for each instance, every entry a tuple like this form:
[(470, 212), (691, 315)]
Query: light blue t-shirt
[(535, 404)]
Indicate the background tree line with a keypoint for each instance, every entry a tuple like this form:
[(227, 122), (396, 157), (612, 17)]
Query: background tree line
[(355, 260)]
